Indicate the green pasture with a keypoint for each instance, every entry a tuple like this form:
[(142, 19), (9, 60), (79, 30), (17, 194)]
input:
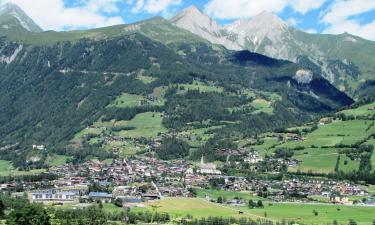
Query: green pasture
[(147, 124), (199, 86), (6, 169), (196, 207), (360, 111), (326, 214), (56, 160), (214, 194), (346, 132)]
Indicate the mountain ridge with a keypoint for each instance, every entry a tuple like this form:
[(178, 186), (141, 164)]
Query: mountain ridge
[(12, 16), (338, 57)]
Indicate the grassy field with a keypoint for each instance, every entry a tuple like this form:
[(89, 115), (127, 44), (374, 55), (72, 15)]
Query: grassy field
[(56, 160), (6, 169), (326, 213), (214, 194), (128, 100), (304, 213), (180, 207), (146, 125), (360, 111), (346, 132), (199, 86), (322, 160), (145, 79), (317, 160), (262, 105)]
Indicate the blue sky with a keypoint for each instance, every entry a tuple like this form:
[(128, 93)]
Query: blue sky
[(315, 16)]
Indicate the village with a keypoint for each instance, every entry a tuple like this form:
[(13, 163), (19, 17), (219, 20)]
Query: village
[(130, 182)]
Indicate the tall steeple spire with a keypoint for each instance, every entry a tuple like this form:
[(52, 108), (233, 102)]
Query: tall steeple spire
[(202, 160)]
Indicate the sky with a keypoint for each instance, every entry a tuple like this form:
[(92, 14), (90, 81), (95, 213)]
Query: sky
[(315, 16)]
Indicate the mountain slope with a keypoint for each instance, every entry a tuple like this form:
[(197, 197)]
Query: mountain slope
[(12, 17), (53, 86), (345, 60)]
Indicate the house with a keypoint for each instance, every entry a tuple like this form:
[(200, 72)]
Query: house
[(52, 195), (100, 197), (325, 120), (371, 108), (39, 147)]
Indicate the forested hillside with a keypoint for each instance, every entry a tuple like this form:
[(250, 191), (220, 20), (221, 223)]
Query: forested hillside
[(53, 94)]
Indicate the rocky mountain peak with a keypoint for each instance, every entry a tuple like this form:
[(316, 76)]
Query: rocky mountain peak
[(197, 22), (11, 15)]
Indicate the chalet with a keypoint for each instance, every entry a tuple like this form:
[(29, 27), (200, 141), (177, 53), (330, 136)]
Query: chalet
[(371, 108)]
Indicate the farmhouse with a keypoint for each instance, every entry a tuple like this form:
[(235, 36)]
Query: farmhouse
[(325, 120)]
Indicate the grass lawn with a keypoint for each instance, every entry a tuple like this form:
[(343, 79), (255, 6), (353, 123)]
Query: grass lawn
[(56, 160), (326, 213), (180, 207), (146, 125)]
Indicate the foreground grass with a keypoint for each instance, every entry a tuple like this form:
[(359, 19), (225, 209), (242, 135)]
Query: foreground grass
[(326, 213), (196, 207)]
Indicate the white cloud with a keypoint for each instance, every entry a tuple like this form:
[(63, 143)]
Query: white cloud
[(311, 31), (304, 6), (54, 15), (366, 31), (234, 9), (338, 18), (292, 21), (153, 6)]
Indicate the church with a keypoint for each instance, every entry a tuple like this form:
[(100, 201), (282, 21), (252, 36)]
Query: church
[(207, 168)]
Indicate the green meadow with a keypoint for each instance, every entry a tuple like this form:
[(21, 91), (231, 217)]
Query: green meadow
[(199, 86), (345, 132), (298, 212), (360, 111), (227, 195), (6, 169), (56, 160), (326, 214), (196, 207), (147, 124)]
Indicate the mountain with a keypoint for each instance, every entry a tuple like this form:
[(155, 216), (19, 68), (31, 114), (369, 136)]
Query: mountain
[(345, 60), (12, 17), (195, 21), (78, 91)]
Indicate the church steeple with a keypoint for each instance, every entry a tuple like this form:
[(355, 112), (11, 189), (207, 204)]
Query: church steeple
[(202, 160)]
